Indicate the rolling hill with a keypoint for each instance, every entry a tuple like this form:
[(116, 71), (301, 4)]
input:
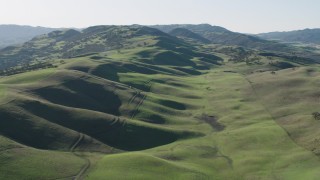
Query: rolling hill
[(72, 43), (134, 102), (220, 35), (311, 36)]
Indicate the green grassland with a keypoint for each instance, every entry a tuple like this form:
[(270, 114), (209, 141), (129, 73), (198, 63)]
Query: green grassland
[(26, 163), (291, 97), (26, 78), (252, 145), (158, 108)]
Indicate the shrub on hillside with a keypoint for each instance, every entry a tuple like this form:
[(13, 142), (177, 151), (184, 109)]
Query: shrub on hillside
[(316, 115)]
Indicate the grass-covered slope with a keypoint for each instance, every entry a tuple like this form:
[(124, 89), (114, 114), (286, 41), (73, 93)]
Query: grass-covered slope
[(95, 103), (22, 162), (242, 139), (161, 108), (292, 97), (72, 43)]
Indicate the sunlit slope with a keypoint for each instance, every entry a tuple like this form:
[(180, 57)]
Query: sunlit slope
[(250, 144), (160, 107), (292, 97), (18, 161)]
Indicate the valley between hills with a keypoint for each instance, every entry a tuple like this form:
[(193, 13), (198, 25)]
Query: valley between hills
[(169, 102)]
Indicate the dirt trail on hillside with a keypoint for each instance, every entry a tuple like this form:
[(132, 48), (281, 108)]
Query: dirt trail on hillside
[(88, 163), (135, 111)]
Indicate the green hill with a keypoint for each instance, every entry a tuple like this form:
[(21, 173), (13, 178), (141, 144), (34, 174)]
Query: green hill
[(133, 102), (220, 35), (72, 43)]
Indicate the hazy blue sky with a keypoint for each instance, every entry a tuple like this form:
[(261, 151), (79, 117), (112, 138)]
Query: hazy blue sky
[(250, 16)]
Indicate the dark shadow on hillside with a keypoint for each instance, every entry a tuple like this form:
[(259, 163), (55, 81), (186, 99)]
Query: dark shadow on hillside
[(282, 65), (82, 94), (172, 104), (107, 71), (188, 71), (33, 131), (150, 117), (172, 59), (110, 70), (111, 130), (139, 69)]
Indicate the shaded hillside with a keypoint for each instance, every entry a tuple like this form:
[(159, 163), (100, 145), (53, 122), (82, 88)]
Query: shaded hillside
[(72, 43), (15, 34), (219, 35), (302, 36), (137, 100), (97, 94), (185, 33)]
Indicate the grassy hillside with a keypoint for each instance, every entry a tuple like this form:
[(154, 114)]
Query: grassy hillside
[(72, 43), (159, 107), (292, 104), (242, 138)]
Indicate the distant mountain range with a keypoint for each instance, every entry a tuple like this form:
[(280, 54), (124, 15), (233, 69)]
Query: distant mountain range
[(38, 43), (300, 36), (215, 34), (220, 35), (205, 33), (15, 34), (71, 43)]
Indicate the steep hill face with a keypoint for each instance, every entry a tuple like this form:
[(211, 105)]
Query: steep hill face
[(303, 36), (15, 34)]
